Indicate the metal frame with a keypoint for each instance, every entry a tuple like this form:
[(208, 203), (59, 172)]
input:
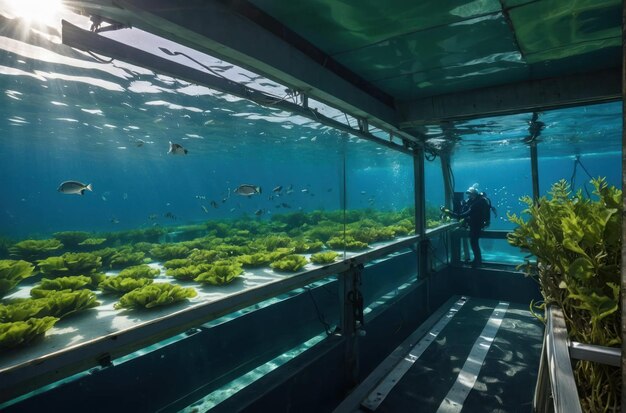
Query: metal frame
[(88, 41)]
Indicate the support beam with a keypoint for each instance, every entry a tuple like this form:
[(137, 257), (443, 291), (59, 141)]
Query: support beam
[(216, 29), (92, 42), (534, 95)]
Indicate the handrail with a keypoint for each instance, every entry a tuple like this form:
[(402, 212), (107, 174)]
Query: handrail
[(600, 354), (556, 363)]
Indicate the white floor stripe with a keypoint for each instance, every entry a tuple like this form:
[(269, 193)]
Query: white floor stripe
[(376, 397), (453, 403)]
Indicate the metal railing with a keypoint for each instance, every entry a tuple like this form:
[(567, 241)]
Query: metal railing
[(556, 390)]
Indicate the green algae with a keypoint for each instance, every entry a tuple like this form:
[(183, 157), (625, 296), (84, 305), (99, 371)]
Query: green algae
[(325, 257), (12, 272), (155, 295), (20, 333), (289, 263)]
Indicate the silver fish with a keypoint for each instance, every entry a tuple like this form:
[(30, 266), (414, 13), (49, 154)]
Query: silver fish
[(247, 190), (176, 149), (73, 187)]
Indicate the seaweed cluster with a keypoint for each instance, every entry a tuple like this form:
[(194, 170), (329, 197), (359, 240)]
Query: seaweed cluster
[(211, 253)]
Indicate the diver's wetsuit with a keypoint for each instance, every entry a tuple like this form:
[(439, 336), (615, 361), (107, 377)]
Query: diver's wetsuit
[(473, 213)]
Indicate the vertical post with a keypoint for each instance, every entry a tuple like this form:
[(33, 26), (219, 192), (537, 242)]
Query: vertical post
[(447, 179), (420, 211), (534, 169), (351, 320), (623, 266), (423, 265)]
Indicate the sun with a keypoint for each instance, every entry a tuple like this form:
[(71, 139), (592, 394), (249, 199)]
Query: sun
[(35, 11)]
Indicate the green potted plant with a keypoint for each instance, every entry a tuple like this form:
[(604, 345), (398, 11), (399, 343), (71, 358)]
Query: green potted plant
[(577, 242)]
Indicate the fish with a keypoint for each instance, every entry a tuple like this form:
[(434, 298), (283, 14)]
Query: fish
[(125, 196), (169, 215), (363, 192), (278, 188), (205, 209), (284, 205), (152, 217), (214, 204), (74, 187), (176, 149), (247, 190), (139, 143), (305, 191), (115, 221), (258, 212)]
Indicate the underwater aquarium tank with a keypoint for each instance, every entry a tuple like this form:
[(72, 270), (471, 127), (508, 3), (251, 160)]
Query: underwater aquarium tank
[(128, 190), (129, 195)]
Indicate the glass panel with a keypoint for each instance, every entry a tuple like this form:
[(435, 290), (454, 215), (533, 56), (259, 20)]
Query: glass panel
[(108, 166), (434, 186), (589, 148), (207, 364), (379, 195), (383, 279)]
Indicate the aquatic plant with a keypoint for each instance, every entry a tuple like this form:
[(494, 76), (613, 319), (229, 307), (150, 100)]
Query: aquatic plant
[(232, 250), (291, 263), (12, 272), (220, 273), (122, 285), (177, 263), (577, 242), (258, 259), (20, 333), (324, 231), (126, 257), (73, 283), (5, 244), (105, 255), (301, 246), (189, 272), (166, 252), (92, 242), (201, 255), (31, 249), (152, 235), (70, 263), (139, 271), (348, 243), (325, 257), (56, 303), (154, 295), (71, 239)]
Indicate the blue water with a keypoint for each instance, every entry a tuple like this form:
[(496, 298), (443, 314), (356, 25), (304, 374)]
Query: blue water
[(68, 117)]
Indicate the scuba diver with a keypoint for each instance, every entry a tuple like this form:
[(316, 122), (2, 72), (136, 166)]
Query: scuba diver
[(476, 214)]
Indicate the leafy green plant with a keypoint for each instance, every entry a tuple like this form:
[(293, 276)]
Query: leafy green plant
[(154, 295), (189, 272), (92, 242), (19, 333), (31, 249), (70, 263), (122, 285), (220, 273), (166, 252), (73, 283), (577, 242), (56, 303), (12, 272), (139, 271), (291, 263), (126, 257), (325, 257), (71, 239), (347, 243)]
